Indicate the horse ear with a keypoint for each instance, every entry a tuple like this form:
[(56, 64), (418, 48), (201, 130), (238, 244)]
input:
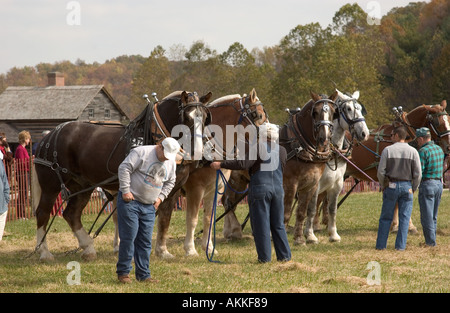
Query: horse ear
[(334, 96), (444, 104), (184, 97), (356, 95), (314, 96), (253, 95), (205, 99)]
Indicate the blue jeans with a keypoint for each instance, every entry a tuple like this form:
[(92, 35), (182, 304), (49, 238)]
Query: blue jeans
[(401, 194), (430, 192), (135, 221), (266, 204)]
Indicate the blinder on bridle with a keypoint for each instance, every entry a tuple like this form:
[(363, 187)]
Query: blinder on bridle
[(247, 112), (325, 108), (183, 107), (356, 106), (434, 123)]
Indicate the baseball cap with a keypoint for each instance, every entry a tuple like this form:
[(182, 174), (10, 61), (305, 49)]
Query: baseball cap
[(171, 148), (422, 132)]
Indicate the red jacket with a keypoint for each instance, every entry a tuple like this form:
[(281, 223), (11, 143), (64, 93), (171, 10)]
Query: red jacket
[(22, 155)]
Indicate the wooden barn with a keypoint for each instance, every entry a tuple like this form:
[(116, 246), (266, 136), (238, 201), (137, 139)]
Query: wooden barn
[(37, 109)]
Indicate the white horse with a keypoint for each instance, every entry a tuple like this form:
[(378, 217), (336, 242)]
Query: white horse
[(349, 118)]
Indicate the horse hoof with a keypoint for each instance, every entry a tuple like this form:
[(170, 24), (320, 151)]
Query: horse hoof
[(165, 255), (312, 241), (191, 253), (299, 242), (89, 256), (335, 239), (46, 257), (413, 231)]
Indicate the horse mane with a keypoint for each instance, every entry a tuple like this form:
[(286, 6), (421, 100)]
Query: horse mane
[(224, 99), (173, 94)]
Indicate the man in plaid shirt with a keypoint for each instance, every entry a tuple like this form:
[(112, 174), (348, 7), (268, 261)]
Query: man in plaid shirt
[(430, 189)]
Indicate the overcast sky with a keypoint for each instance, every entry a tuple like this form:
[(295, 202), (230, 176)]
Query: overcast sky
[(35, 31)]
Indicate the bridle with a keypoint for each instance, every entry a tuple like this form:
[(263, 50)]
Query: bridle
[(342, 113), (325, 109), (247, 113)]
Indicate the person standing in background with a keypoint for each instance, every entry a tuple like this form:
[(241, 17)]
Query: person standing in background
[(22, 172), (430, 189), (4, 198), (399, 174)]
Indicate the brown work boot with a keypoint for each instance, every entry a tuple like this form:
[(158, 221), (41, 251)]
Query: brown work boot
[(124, 279)]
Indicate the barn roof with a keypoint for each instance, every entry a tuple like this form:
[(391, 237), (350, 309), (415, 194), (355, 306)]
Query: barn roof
[(49, 103)]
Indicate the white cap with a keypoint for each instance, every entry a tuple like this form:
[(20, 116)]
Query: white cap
[(269, 131), (171, 148)]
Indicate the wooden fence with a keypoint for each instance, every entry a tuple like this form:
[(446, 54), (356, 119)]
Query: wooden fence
[(20, 205)]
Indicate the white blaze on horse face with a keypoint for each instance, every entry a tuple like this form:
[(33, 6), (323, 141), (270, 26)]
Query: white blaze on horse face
[(326, 117), (198, 134), (446, 123)]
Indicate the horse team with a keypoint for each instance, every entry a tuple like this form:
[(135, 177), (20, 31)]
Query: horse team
[(77, 157)]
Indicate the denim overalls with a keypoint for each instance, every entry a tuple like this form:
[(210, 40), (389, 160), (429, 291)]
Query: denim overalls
[(266, 204)]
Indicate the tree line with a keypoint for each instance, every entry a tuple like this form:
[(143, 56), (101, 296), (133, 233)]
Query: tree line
[(405, 60)]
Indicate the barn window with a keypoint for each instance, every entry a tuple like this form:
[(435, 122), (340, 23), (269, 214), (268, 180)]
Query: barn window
[(91, 113), (107, 113)]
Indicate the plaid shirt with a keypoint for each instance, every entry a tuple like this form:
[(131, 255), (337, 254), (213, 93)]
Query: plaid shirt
[(432, 160)]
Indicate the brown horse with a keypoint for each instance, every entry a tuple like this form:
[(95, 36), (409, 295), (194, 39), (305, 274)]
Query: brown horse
[(366, 155), (76, 157), (306, 138), (230, 110)]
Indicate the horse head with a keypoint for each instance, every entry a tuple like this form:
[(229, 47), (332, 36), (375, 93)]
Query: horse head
[(438, 122), (322, 112), (252, 109), (350, 115)]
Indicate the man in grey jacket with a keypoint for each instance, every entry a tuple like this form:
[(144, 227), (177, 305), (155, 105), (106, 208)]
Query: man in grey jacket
[(399, 174), (146, 178)]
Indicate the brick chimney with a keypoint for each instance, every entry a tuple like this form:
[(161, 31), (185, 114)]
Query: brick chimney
[(55, 79)]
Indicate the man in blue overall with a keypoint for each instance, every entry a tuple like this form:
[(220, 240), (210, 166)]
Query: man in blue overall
[(266, 194)]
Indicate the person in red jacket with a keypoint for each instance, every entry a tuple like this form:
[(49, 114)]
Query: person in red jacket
[(22, 172)]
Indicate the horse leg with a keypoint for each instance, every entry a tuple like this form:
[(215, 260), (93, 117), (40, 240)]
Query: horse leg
[(72, 214), (290, 189), (412, 229), (194, 195), (116, 227), (43, 210), (333, 195), (164, 216), (311, 212), (231, 226), (303, 200), (394, 224), (321, 205)]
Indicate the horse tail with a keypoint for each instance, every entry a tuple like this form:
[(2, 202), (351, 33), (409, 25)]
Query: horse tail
[(36, 190)]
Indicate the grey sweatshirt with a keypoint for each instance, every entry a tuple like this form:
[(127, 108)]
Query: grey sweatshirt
[(142, 174), (400, 161)]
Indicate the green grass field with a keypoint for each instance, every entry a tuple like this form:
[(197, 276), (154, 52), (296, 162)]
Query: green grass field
[(326, 267)]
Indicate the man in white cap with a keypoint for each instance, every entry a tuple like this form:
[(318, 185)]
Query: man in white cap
[(146, 177)]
